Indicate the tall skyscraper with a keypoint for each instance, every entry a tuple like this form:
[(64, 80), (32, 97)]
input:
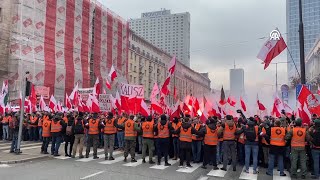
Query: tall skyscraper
[(170, 32), (236, 82), (311, 20)]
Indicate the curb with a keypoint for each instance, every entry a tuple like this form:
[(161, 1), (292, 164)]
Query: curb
[(24, 160)]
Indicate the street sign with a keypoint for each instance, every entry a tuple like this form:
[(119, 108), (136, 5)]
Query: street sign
[(285, 92), (298, 89)]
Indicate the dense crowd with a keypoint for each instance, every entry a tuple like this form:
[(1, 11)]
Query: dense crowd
[(266, 142)]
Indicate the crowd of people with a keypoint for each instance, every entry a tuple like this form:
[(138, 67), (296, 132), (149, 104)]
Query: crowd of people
[(266, 142)]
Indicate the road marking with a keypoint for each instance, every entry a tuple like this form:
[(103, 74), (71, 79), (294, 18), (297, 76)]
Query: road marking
[(219, 172), (67, 157), (100, 156), (162, 166), (203, 178), (117, 159), (25, 148), (22, 145), (91, 175), (248, 176), (189, 170), (276, 175), (134, 164), (4, 166)]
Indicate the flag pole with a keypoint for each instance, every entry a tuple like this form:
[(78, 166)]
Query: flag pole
[(23, 89)]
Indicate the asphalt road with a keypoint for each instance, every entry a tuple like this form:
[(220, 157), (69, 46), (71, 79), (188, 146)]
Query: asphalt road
[(69, 169)]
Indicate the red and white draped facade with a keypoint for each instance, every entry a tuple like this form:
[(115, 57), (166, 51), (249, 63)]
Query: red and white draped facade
[(52, 40)]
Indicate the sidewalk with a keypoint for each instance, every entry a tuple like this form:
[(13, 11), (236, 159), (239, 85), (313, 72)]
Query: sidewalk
[(30, 151)]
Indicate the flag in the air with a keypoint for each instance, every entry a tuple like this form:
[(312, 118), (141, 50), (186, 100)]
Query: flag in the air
[(144, 109), (108, 84), (271, 49), (306, 97), (68, 102), (156, 106), (172, 65), (243, 104), (165, 88), (74, 96), (112, 74), (42, 103), (155, 91), (231, 101), (222, 97), (277, 106), (261, 107), (96, 88), (52, 103)]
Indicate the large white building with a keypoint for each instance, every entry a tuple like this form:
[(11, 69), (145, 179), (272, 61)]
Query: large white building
[(169, 32), (236, 82)]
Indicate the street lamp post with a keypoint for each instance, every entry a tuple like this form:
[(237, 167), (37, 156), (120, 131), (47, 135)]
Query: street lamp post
[(301, 42)]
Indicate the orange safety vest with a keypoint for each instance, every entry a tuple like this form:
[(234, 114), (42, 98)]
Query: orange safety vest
[(5, 120), (263, 140), (109, 127), (185, 135), (163, 131), (241, 138), (228, 133), (33, 119), (129, 129), (175, 127), (65, 119), (299, 137), (147, 129), (194, 137), (211, 137), (277, 136), (56, 127), (256, 129), (120, 122), (93, 126), (46, 128)]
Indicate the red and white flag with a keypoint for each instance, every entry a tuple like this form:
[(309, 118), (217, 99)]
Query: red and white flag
[(96, 88), (112, 74), (165, 88), (172, 65), (74, 96), (155, 91), (306, 97), (118, 101), (68, 102), (108, 85), (271, 49), (59, 107), (95, 104), (144, 109), (288, 109), (156, 106), (261, 107), (80, 105), (277, 106), (204, 116), (52, 103), (231, 101), (42, 103), (176, 110), (243, 104), (304, 113), (33, 98)]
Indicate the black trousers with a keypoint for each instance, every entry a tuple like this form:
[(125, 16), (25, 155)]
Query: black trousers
[(68, 139), (163, 148), (185, 154), (45, 144), (210, 152)]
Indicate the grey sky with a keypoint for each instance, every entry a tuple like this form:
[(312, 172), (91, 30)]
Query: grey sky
[(224, 31)]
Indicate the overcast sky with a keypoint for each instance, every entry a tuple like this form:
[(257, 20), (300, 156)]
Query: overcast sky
[(224, 31)]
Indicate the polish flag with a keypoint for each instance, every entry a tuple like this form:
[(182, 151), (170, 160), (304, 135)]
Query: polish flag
[(204, 116), (277, 106), (156, 106), (155, 91), (74, 96), (52, 103), (288, 109), (185, 107), (144, 109), (304, 113), (59, 107), (108, 84), (306, 97), (176, 110), (96, 88), (243, 104), (33, 97), (80, 105), (165, 89), (196, 107), (68, 102), (231, 101), (172, 65), (95, 104), (271, 49), (42, 103), (118, 101), (260, 105), (112, 74)]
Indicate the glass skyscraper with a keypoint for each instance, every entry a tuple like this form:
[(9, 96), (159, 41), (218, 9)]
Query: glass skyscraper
[(311, 22)]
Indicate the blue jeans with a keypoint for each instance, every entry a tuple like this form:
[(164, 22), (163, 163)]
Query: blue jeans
[(196, 150), (255, 151), (32, 134), (271, 163), (120, 136), (5, 132), (315, 157), (14, 142), (40, 133), (140, 143), (241, 153), (176, 146), (219, 152), (56, 142)]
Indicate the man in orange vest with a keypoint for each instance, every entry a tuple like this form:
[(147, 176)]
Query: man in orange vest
[(147, 128), (277, 147), (46, 134), (5, 126), (163, 129), (110, 129), (56, 133), (120, 132), (185, 132), (196, 141), (33, 124), (228, 131), (93, 126), (298, 136), (210, 132), (175, 138)]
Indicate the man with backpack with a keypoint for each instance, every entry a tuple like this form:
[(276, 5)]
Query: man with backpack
[(69, 136), (78, 131)]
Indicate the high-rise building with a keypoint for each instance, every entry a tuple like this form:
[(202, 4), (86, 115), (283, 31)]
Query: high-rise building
[(236, 82), (311, 20), (169, 32)]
